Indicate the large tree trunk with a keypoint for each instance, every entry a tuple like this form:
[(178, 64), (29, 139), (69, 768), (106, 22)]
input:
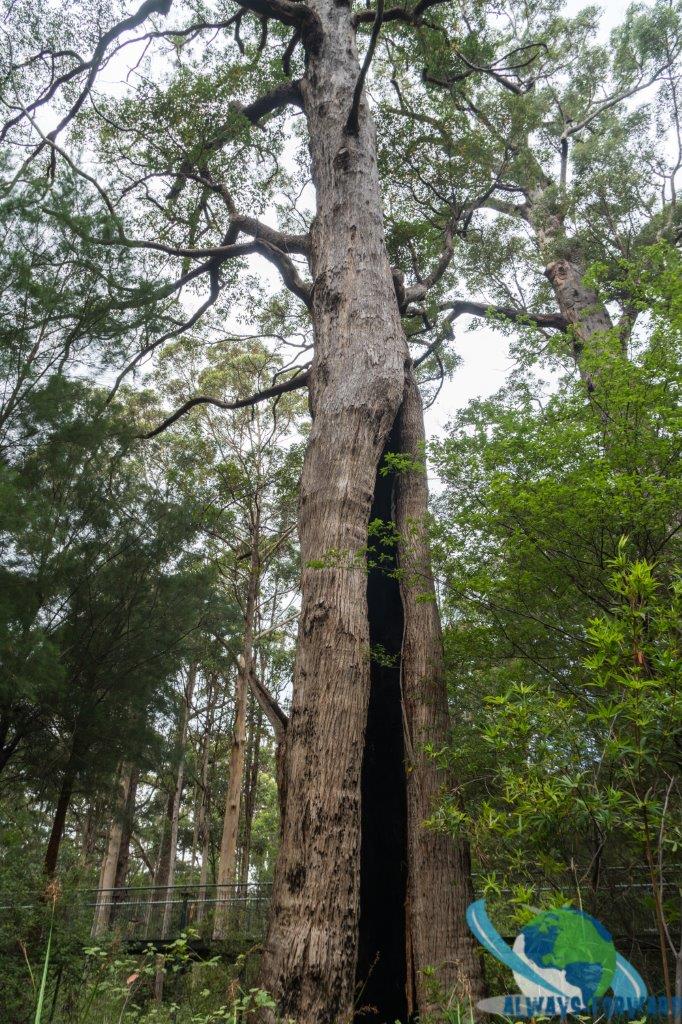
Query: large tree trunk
[(228, 845), (323, 911)]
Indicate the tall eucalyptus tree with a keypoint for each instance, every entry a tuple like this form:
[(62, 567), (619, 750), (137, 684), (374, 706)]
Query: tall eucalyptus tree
[(228, 111)]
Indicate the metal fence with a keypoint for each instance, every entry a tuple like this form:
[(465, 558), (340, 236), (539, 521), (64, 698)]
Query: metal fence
[(152, 913)]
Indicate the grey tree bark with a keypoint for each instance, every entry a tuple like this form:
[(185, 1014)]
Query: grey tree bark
[(176, 799), (357, 385)]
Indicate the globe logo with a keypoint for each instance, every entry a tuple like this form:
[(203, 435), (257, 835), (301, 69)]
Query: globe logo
[(564, 961), (570, 951)]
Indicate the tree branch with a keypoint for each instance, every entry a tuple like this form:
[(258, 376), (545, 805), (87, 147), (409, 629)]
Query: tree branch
[(283, 95), (612, 101), (461, 307), (286, 94), (290, 276), (298, 381), (298, 15), (271, 709), (287, 243), (144, 11), (412, 17), (353, 122), (417, 292)]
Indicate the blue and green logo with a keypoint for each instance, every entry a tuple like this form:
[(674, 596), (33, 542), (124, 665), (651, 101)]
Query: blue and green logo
[(564, 961)]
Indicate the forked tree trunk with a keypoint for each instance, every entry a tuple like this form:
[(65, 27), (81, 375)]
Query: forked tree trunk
[(325, 923), (228, 845)]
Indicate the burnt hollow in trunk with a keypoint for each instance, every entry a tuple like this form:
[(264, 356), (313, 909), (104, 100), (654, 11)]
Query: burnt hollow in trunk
[(381, 993)]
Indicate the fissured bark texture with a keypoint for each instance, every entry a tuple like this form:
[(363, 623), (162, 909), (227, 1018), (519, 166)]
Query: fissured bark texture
[(357, 385), (439, 870)]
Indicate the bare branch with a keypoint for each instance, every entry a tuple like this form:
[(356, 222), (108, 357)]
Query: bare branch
[(144, 11), (461, 307), (298, 381), (290, 276), (298, 15), (286, 94), (509, 209), (412, 17), (353, 122), (289, 52), (271, 709), (288, 243)]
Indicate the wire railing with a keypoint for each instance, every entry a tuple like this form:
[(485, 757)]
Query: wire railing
[(151, 913)]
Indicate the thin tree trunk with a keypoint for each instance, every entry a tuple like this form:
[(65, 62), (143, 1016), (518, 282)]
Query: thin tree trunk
[(205, 861), (89, 833), (165, 872), (107, 879), (203, 798), (203, 811), (59, 820), (174, 805), (251, 783), (228, 845)]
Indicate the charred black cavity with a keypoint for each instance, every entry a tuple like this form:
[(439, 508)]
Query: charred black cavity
[(381, 971)]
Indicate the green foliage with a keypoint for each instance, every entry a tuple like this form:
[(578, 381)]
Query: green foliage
[(558, 540), (511, 134), (117, 987)]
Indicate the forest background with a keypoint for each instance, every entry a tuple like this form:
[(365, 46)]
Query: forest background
[(529, 156)]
